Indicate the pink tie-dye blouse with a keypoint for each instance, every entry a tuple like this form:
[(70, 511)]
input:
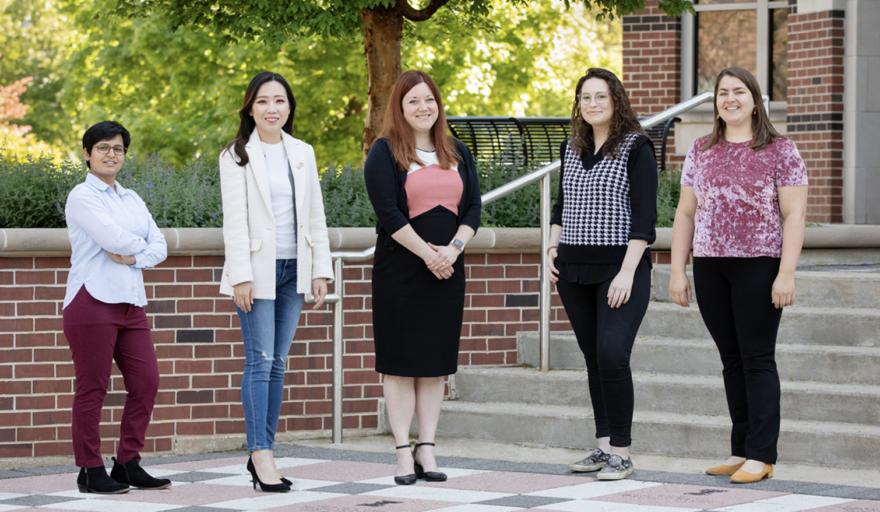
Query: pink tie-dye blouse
[(737, 202)]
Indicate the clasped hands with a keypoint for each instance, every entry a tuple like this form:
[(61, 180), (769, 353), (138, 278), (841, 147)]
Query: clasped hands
[(440, 260), (122, 260)]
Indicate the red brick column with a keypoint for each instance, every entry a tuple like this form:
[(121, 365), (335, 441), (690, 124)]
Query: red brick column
[(815, 106), (651, 62), (651, 66)]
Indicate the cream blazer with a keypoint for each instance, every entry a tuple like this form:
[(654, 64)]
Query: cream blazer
[(249, 224)]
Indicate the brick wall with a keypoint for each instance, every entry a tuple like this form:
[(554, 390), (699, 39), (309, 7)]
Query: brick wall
[(200, 353), (815, 106), (651, 64)]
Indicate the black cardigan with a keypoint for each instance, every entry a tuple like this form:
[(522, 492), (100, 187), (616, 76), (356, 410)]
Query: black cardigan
[(385, 185)]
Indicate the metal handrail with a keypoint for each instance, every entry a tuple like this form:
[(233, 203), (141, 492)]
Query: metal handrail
[(542, 174), (675, 110)]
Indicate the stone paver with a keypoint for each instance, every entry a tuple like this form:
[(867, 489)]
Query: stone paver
[(349, 481)]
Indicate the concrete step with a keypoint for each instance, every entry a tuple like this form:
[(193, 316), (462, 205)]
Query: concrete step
[(814, 288), (800, 325), (687, 394), (826, 443), (849, 258), (653, 354)]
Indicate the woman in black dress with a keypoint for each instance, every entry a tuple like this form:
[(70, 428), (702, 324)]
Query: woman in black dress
[(424, 188)]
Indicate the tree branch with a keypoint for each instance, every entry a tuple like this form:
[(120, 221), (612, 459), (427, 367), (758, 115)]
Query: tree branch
[(413, 14)]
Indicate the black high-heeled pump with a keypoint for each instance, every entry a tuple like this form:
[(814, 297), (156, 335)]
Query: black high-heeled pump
[(405, 479), (255, 479), (428, 476), (283, 480)]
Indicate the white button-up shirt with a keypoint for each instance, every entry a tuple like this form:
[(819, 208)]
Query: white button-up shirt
[(102, 219)]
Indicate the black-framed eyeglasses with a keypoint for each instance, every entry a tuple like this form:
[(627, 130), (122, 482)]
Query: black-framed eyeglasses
[(105, 149)]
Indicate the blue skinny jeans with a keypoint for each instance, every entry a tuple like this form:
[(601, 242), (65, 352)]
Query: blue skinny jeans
[(267, 331)]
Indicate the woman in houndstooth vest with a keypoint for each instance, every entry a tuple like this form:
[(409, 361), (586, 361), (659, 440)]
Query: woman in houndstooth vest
[(601, 226)]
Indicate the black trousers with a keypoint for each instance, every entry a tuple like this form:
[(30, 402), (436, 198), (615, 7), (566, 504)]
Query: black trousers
[(606, 336), (734, 295)]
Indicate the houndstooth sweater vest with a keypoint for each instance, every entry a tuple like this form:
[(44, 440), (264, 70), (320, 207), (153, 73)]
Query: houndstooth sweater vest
[(597, 210)]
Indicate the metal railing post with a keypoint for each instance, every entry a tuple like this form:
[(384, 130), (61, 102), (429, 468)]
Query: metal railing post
[(337, 352), (544, 320)]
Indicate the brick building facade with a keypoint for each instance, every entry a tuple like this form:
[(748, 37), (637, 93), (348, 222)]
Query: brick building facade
[(815, 58)]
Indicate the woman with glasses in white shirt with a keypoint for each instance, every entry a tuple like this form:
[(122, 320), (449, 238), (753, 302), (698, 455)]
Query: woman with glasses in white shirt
[(112, 238)]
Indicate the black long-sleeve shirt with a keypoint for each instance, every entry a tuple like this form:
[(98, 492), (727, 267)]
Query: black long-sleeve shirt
[(385, 182), (598, 262)]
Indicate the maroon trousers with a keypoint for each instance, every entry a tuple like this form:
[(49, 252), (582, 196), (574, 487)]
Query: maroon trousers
[(99, 333)]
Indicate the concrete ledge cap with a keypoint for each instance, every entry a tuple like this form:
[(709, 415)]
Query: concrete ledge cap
[(209, 241)]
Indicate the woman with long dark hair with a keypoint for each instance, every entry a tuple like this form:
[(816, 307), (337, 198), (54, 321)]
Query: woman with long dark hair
[(424, 188), (277, 251), (742, 207), (600, 229)]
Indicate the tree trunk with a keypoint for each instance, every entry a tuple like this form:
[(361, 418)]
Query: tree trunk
[(383, 29)]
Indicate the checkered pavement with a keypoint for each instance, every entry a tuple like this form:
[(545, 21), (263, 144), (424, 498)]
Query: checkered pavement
[(338, 481)]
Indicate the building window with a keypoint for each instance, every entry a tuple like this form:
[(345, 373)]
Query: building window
[(746, 33)]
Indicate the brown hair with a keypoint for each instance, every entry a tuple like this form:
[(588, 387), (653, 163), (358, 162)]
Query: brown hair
[(399, 133), (246, 120), (623, 120), (763, 132)]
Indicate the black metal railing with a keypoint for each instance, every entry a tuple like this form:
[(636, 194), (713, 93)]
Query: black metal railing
[(532, 141)]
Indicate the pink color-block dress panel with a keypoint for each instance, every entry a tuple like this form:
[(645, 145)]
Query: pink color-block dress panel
[(432, 186), (737, 201)]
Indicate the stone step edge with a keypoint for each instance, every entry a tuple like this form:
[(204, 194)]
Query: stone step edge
[(701, 343), (676, 380), (846, 311), (809, 273), (819, 428)]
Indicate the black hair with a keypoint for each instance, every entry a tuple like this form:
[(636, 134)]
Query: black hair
[(105, 130), (247, 124)]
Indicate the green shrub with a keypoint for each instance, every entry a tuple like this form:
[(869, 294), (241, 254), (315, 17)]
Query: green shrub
[(186, 197), (345, 198), (32, 194), (668, 188)]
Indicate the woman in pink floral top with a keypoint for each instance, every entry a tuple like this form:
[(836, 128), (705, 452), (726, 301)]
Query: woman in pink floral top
[(742, 206)]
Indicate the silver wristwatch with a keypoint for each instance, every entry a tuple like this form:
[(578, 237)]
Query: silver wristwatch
[(458, 244)]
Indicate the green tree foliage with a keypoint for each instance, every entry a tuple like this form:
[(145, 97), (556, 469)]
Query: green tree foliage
[(179, 91), (177, 83), (34, 37), (380, 21), (16, 141), (524, 63)]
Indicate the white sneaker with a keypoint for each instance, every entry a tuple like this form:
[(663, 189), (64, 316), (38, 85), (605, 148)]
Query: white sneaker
[(592, 462), (617, 468)]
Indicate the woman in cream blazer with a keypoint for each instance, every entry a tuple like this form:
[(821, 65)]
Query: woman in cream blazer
[(249, 226), (277, 252)]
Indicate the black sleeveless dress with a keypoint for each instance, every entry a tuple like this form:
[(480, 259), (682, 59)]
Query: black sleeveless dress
[(416, 317)]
